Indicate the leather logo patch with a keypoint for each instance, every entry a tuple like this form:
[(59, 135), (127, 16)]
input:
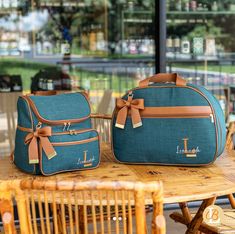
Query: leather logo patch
[(86, 162), (189, 153)]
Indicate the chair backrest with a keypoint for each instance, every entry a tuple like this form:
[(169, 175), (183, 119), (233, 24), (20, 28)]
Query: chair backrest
[(230, 135), (46, 206), (103, 106), (102, 123)]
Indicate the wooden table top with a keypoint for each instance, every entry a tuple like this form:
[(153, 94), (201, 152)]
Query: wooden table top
[(180, 183)]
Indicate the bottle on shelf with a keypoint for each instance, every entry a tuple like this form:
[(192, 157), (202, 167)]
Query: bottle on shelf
[(193, 5), (177, 43), (185, 46), (178, 5), (186, 5), (50, 85), (214, 6)]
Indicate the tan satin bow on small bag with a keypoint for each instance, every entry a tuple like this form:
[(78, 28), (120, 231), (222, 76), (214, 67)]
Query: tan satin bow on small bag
[(135, 105), (32, 139)]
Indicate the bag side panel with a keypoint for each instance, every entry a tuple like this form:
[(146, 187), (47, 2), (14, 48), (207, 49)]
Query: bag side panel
[(220, 118), (21, 159)]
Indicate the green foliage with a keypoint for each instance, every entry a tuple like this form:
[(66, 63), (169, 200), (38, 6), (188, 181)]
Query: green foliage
[(208, 30)]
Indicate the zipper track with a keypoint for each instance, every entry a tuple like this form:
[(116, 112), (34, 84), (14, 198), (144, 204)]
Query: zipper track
[(176, 117), (68, 143)]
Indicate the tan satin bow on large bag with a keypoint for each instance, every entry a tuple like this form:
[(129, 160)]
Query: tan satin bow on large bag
[(135, 105), (42, 135)]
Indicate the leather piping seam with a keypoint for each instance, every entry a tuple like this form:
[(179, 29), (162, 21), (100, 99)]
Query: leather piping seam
[(189, 87), (68, 143), (176, 117), (32, 123), (58, 133), (24, 129), (56, 122), (80, 169)]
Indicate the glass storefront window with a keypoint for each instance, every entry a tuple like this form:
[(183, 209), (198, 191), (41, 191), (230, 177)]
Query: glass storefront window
[(102, 46), (200, 44)]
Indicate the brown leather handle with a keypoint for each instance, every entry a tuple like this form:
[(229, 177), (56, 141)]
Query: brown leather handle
[(163, 78), (45, 93)]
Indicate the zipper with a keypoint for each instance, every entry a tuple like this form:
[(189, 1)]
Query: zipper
[(75, 142), (71, 132), (180, 116), (177, 112), (54, 122)]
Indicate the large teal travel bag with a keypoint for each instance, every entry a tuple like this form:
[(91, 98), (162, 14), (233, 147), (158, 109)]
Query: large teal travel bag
[(167, 121), (54, 134)]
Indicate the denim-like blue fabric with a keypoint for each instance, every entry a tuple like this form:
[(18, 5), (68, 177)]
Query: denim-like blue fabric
[(219, 117), (61, 107), (160, 140), (69, 157)]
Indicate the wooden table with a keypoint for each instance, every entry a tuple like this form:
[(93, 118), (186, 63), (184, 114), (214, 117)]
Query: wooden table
[(181, 184)]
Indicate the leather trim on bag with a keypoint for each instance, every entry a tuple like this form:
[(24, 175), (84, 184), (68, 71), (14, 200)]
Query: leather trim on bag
[(75, 142), (24, 129), (176, 111)]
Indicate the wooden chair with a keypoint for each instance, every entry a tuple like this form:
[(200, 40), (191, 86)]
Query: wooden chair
[(228, 224), (37, 202)]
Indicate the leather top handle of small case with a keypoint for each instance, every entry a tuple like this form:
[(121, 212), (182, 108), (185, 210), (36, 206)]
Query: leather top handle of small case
[(163, 78), (45, 93)]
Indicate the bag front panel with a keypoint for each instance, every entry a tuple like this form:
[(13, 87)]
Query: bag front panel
[(78, 151), (62, 107), (188, 141)]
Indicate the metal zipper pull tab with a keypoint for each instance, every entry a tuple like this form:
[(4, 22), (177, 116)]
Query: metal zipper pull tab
[(39, 125), (65, 124), (212, 118)]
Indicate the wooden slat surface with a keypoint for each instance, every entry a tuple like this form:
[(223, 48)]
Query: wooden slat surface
[(180, 183)]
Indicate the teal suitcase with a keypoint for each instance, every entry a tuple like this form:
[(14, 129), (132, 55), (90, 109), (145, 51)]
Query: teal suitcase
[(167, 121)]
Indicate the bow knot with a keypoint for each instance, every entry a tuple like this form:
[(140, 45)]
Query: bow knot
[(135, 105), (39, 136)]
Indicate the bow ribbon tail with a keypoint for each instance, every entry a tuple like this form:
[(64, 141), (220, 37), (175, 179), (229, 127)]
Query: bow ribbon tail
[(121, 117), (47, 147), (33, 151), (135, 117)]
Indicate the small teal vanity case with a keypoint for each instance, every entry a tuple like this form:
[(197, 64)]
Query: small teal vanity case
[(54, 134), (167, 121)]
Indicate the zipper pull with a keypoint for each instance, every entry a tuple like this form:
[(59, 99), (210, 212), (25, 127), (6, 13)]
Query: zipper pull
[(69, 124), (39, 125), (212, 118), (65, 124)]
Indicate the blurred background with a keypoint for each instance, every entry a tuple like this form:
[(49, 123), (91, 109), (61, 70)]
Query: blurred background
[(106, 47)]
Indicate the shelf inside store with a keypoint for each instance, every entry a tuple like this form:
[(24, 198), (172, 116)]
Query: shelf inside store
[(201, 12)]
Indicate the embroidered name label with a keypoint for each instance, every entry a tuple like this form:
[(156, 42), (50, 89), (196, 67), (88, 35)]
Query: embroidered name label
[(86, 162), (190, 153)]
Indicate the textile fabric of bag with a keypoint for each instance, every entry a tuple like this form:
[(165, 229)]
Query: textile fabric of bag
[(167, 121), (54, 134)]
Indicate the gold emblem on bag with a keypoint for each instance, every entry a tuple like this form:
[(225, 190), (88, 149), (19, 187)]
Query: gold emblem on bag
[(86, 162), (189, 153)]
